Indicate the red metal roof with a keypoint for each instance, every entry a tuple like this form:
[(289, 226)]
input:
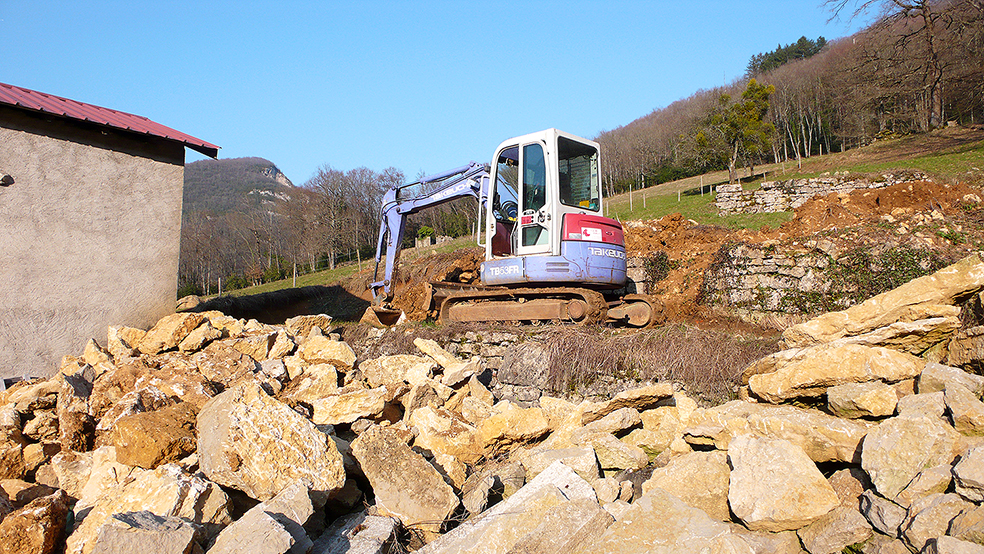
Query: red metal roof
[(34, 100)]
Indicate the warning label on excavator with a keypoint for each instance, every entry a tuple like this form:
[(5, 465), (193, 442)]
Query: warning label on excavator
[(591, 233)]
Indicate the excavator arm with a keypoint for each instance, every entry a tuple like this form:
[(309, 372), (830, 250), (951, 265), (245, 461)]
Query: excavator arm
[(471, 180)]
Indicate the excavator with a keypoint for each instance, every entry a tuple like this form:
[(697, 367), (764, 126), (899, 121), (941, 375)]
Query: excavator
[(550, 254)]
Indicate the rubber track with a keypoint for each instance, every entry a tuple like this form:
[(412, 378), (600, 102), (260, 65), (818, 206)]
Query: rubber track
[(597, 305)]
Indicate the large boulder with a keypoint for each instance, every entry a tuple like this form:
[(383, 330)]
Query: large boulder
[(103, 474), (257, 532), (950, 545), (169, 332), (300, 326), (661, 522), (910, 302), (445, 432), (854, 400), (198, 338), (916, 337), (564, 528), (405, 484), (614, 454), (899, 448), (12, 444), (615, 422), (393, 370), (930, 518), (883, 514), (252, 442), (504, 525), (938, 377), (510, 425), (775, 486), (149, 439), (966, 410), (272, 527), (835, 531), (166, 491), (254, 345), (699, 479), (969, 526), (316, 381), (581, 459), (641, 398), (37, 527), (145, 531), (966, 349), (810, 371), (358, 533), (968, 475), (318, 349), (823, 437), (348, 405)]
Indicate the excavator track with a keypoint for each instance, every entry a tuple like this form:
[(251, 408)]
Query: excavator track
[(562, 304)]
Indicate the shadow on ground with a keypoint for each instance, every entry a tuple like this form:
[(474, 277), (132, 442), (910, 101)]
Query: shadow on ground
[(277, 306)]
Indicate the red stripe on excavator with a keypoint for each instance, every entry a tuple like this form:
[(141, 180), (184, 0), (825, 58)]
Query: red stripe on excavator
[(592, 228)]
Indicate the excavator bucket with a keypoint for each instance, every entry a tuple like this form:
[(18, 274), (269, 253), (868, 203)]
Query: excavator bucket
[(381, 317)]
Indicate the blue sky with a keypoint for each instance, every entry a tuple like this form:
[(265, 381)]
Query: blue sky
[(422, 86)]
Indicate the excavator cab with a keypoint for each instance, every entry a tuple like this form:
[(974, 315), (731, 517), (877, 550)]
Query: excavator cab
[(559, 235)]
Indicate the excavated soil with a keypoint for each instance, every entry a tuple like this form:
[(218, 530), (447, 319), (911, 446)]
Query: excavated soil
[(942, 218), (927, 215)]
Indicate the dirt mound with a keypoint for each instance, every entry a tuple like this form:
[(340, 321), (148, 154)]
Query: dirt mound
[(453, 267), (690, 249), (410, 294), (925, 215), (898, 201)]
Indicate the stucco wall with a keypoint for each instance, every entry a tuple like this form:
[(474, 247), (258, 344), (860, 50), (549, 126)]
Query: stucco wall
[(89, 236)]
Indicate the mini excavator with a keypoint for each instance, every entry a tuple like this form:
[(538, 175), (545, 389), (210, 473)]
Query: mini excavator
[(550, 254)]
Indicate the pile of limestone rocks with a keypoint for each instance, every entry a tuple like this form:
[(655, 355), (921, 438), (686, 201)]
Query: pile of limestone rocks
[(211, 434)]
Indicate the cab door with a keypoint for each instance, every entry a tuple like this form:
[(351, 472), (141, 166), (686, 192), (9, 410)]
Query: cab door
[(536, 225)]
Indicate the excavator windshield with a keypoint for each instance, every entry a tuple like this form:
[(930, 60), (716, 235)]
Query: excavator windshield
[(578, 165)]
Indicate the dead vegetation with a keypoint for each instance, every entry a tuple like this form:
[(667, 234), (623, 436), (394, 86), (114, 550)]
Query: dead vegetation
[(708, 363)]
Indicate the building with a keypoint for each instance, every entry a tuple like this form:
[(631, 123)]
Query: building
[(90, 225)]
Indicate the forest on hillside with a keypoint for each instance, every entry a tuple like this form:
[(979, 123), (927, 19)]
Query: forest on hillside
[(242, 227), (918, 67)]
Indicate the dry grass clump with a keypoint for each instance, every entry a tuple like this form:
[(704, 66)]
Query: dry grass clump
[(707, 363)]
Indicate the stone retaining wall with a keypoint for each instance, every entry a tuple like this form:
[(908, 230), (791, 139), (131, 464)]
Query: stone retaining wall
[(781, 196), (763, 279)]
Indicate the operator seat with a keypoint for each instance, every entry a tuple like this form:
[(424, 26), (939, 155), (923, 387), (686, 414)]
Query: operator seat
[(501, 243)]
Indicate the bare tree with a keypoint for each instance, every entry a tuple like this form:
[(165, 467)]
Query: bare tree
[(915, 25)]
